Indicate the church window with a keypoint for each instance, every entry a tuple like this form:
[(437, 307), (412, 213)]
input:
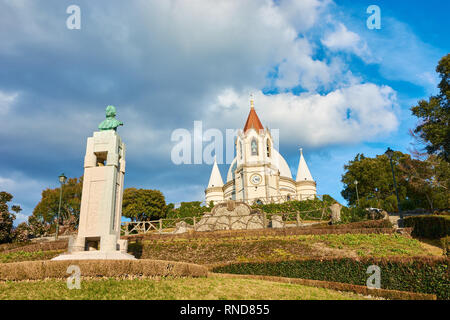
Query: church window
[(254, 146), (268, 148)]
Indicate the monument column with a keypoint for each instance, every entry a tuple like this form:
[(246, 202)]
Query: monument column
[(101, 200)]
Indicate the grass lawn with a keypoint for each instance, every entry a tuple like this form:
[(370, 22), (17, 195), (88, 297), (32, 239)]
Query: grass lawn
[(207, 251), (214, 288)]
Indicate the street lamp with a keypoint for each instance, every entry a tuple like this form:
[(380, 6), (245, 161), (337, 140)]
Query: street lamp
[(357, 195), (62, 180), (390, 153)]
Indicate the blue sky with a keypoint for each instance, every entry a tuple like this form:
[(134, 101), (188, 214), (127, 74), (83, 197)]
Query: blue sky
[(319, 75)]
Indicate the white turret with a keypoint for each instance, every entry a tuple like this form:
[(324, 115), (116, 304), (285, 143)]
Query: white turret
[(306, 186), (214, 191), (215, 180), (303, 173)]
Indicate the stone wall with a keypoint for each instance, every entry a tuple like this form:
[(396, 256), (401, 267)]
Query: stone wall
[(230, 215)]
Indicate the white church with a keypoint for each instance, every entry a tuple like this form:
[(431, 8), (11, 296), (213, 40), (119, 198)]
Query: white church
[(258, 173)]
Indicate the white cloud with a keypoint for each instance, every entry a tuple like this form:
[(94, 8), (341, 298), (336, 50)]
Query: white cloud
[(342, 39), (6, 101), (348, 115)]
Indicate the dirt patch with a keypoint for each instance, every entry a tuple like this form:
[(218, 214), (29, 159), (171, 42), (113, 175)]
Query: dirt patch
[(324, 251)]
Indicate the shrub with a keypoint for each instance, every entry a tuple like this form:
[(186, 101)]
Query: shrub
[(418, 274), (429, 226), (353, 214), (41, 246), (382, 223), (364, 290), (188, 209), (311, 208), (37, 270)]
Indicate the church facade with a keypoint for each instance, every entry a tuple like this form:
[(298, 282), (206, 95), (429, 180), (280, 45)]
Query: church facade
[(258, 173)]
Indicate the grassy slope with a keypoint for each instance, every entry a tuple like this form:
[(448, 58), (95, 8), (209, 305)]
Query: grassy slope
[(206, 251), (169, 288)]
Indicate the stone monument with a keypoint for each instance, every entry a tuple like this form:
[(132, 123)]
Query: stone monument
[(101, 200), (230, 215)]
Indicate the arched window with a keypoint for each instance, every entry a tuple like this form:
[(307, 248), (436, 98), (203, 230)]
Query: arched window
[(268, 148), (254, 146)]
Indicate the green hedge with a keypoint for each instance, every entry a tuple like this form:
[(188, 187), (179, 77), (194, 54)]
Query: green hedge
[(311, 208), (429, 226), (417, 274)]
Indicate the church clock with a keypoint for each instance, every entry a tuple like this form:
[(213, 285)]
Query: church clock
[(256, 179)]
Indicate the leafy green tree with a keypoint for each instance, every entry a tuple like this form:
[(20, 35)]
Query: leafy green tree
[(428, 182), (433, 129), (375, 183), (21, 233), (6, 218), (37, 227), (47, 209), (143, 204), (422, 184)]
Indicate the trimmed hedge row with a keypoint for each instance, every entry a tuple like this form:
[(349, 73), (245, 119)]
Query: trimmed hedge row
[(382, 223), (364, 290), (9, 246), (416, 274), (38, 270), (429, 226), (259, 232), (41, 246)]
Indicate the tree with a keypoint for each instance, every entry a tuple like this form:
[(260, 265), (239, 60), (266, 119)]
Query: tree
[(21, 233), (421, 184), (433, 129), (375, 183), (428, 181), (37, 226), (143, 204), (6, 218), (47, 209)]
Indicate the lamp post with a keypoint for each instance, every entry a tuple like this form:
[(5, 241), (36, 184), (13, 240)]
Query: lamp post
[(357, 195), (62, 180), (390, 153)]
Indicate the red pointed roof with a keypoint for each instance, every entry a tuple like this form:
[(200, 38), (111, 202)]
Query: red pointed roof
[(253, 121)]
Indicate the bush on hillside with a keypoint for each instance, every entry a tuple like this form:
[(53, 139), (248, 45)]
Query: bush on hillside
[(416, 274), (353, 214), (429, 226)]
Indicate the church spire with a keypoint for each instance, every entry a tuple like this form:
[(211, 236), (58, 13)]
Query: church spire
[(303, 173), (215, 180), (252, 119)]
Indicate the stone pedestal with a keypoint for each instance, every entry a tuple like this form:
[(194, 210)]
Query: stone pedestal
[(101, 201), (335, 212)]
